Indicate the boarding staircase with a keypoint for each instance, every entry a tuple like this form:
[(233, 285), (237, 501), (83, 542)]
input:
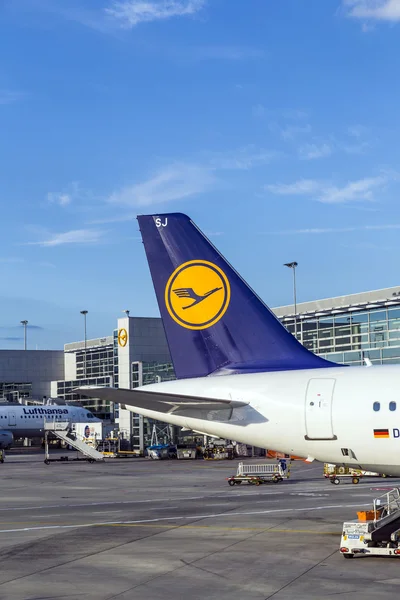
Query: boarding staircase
[(63, 430), (387, 518)]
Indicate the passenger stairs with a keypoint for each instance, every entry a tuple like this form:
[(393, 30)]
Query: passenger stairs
[(377, 531), (63, 430)]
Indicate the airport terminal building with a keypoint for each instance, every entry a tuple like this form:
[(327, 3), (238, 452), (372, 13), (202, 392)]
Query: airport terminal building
[(346, 329)]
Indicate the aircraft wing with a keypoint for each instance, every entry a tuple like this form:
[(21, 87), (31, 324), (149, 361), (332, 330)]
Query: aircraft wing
[(158, 401)]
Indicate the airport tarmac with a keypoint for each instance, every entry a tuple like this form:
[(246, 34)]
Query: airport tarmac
[(139, 529)]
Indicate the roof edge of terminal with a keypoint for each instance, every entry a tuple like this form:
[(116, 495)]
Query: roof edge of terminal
[(350, 302)]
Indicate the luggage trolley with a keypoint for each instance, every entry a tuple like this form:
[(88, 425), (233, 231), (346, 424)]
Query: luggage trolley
[(335, 473), (257, 474)]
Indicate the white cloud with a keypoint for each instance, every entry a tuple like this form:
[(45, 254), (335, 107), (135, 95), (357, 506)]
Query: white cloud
[(357, 131), (302, 187), (241, 159), (293, 131), (293, 114), (75, 236), (362, 189), (174, 182), (59, 198), (313, 151), (259, 111), (379, 10), (10, 96), (360, 148), (71, 194), (129, 13), (46, 265), (11, 260), (225, 52), (320, 230), (354, 191), (181, 180)]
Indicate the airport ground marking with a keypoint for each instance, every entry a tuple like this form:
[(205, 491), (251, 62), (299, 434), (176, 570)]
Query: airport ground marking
[(175, 518), (228, 494), (218, 528)]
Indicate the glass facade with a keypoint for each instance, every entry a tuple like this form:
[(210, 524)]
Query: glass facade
[(14, 392), (102, 409), (349, 337), (97, 366), (144, 373), (96, 362)]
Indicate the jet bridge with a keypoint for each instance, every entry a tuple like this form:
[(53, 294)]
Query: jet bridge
[(63, 430)]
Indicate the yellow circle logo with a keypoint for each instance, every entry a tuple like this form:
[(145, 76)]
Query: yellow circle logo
[(197, 294), (122, 337)]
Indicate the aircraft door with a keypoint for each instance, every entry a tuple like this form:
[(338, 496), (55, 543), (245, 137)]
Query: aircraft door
[(318, 409), (12, 419)]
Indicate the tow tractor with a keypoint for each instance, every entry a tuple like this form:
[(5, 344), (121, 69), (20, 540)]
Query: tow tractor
[(376, 531), (257, 474)]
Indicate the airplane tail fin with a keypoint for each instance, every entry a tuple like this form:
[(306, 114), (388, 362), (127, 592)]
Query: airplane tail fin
[(214, 322)]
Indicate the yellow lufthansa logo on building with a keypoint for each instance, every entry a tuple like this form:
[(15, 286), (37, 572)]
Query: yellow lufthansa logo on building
[(197, 294), (122, 337)]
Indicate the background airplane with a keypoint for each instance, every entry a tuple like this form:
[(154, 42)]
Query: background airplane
[(21, 421)]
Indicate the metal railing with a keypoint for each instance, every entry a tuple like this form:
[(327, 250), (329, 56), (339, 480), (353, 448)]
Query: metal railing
[(55, 425), (387, 504), (261, 469)]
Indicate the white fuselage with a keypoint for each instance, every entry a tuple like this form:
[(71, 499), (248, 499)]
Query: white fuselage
[(28, 421), (325, 414)]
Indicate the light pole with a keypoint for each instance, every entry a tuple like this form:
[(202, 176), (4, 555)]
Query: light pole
[(24, 323), (293, 265), (84, 313)]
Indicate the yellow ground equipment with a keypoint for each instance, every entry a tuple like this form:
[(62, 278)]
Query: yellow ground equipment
[(335, 473)]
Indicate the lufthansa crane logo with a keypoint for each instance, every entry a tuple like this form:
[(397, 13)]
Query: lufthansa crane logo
[(122, 337), (197, 294)]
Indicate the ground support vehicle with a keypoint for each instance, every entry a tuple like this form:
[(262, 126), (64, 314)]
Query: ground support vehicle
[(335, 473), (216, 452), (377, 531), (257, 474), (64, 431)]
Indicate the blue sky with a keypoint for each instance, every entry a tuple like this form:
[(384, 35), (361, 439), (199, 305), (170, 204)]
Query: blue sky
[(274, 125)]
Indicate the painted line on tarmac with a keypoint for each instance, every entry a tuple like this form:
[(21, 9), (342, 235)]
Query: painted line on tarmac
[(295, 471), (197, 517), (164, 508), (145, 501), (218, 528), (102, 512)]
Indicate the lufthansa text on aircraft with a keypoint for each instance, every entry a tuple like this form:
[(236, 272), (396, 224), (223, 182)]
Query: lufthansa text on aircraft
[(45, 411)]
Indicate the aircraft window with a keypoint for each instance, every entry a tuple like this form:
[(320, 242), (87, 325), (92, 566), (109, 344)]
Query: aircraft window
[(392, 405), (377, 406)]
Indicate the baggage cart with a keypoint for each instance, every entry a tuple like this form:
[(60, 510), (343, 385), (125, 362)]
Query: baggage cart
[(335, 473), (257, 474)]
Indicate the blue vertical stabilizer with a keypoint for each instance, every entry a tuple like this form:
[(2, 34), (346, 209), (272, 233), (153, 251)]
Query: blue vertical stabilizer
[(213, 320)]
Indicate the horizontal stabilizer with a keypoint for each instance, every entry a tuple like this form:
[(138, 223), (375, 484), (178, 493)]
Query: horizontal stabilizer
[(157, 401)]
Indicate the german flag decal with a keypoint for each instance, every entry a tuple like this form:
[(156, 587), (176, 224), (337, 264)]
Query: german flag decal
[(381, 433)]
